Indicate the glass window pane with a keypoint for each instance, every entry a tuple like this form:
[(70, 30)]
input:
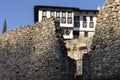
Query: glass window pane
[(66, 31), (76, 34), (84, 24), (84, 18), (57, 14), (69, 14), (44, 13), (52, 14), (85, 34), (69, 20), (91, 18), (58, 19), (63, 14), (77, 18), (91, 25), (43, 17), (77, 24), (63, 20)]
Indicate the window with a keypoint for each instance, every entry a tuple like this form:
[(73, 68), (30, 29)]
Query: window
[(77, 18), (85, 34), (84, 24), (52, 14), (77, 24), (58, 19), (84, 18), (91, 18), (63, 20), (76, 34), (57, 14), (69, 14), (63, 14), (44, 15), (91, 25), (66, 31), (69, 20)]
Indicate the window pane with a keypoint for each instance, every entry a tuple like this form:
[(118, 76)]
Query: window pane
[(66, 31), (76, 34), (69, 20), (91, 18), (58, 19), (52, 14), (63, 20), (57, 14), (69, 14), (63, 14), (77, 18), (43, 17), (84, 18), (91, 25), (77, 24), (44, 13), (85, 34), (84, 24)]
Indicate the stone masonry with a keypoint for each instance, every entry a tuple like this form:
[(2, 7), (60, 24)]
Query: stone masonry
[(35, 52), (76, 49), (105, 49)]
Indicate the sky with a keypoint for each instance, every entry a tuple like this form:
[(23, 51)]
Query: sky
[(21, 12)]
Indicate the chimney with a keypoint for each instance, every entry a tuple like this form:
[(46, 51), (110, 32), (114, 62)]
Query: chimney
[(98, 8)]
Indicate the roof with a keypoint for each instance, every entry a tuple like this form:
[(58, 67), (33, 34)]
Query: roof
[(63, 7)]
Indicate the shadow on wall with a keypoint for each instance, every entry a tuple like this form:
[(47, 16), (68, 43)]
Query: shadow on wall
[(71, 68), (71, 64), (86, 67)]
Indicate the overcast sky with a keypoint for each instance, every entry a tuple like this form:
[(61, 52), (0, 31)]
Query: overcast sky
[(20, 12)]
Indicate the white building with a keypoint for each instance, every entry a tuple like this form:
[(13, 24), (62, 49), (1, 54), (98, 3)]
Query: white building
[(75, 22)]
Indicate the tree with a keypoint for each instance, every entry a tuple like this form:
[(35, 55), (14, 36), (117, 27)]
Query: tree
[(4, 26)]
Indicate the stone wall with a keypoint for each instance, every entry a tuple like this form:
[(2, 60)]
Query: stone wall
[(105, 54), (76, 49), (35, 52)]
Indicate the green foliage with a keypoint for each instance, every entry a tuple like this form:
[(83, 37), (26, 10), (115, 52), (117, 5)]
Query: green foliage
[(4, 26)]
